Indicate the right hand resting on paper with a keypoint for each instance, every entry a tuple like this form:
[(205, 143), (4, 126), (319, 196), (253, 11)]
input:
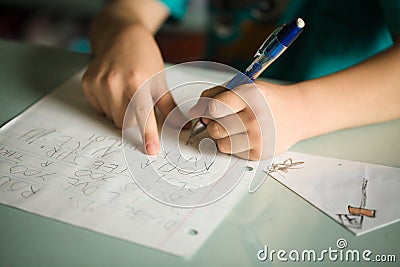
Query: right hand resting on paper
[(122, 62)]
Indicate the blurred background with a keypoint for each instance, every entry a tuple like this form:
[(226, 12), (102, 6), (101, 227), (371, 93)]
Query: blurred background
[(64, 24), (227, 31)]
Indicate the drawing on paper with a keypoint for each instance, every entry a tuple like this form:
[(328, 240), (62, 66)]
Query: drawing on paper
[(283, 167), (355, 217)]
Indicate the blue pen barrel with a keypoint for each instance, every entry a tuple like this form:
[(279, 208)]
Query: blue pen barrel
[(271, 49), (255, 69), (242, 78)]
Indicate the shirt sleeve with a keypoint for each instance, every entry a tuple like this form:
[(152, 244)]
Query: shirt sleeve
[(177, 8), (391, 13)]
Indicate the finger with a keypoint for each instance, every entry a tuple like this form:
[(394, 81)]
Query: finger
[(129, 120), (142, 104), (252, 154), (253, 98), (225, 104), (234, 144), (101, 92), (117, 95), (87, 85), (118, 108), (105, 106), (103, 101), (244, 155), (116, 91), (92, 100), (232, 124), (151, 139), (201, 106), (213, 91)]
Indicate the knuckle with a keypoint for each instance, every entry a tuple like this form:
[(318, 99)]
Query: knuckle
[(111, 81), (135, 78), (214, 130), (142, 111), (212, 109)]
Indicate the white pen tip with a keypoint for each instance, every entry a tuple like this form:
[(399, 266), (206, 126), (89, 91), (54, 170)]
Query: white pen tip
[(300, 23)]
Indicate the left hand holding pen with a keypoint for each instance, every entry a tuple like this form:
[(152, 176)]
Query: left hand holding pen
[(241, 121)]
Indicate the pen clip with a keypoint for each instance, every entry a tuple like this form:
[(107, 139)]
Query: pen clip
[(262, 48)]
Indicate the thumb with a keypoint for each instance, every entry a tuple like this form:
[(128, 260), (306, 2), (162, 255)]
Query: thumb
[(202, 104)]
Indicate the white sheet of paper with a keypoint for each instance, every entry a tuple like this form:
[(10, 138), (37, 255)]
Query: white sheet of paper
[(60, 160), (331, 185)]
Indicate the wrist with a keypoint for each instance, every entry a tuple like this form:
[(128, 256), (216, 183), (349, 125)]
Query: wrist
[(296, 117), (316, 118), (122, 34), (118, 15), (288, 110)]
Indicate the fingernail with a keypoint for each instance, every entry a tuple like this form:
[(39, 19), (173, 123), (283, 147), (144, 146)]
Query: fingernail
[(151, 148), (188, 125), (206, 121)]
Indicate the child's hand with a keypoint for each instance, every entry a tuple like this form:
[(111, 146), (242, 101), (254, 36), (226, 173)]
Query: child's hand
[(242, 122), (121, 64)]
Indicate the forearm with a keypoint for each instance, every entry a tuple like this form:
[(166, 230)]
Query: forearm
[(364, 94), (122, 14)]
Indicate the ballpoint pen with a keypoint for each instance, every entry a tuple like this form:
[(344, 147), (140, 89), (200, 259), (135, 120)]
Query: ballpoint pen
[(273, 46)]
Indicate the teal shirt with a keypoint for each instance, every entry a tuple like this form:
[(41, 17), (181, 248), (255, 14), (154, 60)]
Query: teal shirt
[(177, 8), (338, 34)]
